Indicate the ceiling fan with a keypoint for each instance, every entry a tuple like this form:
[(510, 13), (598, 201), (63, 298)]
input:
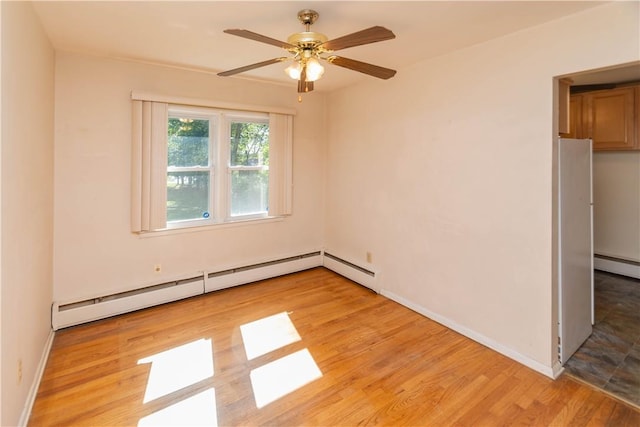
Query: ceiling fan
[(308, 47)]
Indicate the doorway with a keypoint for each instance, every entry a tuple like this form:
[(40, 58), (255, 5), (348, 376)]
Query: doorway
[(610, 358)]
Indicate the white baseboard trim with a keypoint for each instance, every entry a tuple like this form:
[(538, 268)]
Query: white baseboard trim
[(629, 269), (557, 369), (33, 390), (469, 333)]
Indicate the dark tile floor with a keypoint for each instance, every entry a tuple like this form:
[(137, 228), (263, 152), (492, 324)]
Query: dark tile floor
[(610, 358)]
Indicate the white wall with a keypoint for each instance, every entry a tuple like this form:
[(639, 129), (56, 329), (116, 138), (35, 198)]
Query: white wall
[(27, 201), (616, 195), (95, 253), (445, 174)]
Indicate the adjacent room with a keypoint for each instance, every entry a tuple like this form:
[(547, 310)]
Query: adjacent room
[(212, 172), (608, 357)]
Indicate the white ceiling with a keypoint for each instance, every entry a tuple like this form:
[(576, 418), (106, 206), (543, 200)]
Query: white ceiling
[(189, 34)]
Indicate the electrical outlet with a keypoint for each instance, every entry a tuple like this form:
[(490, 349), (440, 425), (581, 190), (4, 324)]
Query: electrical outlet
[(157, 268), (369, 257), (19, 371)]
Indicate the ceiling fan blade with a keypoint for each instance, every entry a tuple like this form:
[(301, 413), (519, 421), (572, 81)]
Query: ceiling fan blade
[(251, 67), (370, 35), (259, 38), (304, 86), (362, 67)]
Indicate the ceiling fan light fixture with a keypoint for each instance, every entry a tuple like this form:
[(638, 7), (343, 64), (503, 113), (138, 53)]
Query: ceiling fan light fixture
[(294, 70), (314, 70)]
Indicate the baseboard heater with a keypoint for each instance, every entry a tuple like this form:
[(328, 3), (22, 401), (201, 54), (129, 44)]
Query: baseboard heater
[(78, 312), (265, 270), (75, 313), (617, 266), (350, 270)]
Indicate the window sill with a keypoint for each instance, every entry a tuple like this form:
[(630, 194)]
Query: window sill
[(210, 227)]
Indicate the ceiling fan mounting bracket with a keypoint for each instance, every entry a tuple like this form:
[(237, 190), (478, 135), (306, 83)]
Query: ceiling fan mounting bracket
[(308, 17)]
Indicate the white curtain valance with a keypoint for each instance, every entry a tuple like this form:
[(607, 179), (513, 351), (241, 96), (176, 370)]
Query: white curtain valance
[(196, 102)]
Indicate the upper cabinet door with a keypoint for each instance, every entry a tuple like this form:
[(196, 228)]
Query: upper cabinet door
[(611, 118)]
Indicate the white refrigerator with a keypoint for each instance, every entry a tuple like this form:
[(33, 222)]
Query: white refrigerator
[(575, 233)]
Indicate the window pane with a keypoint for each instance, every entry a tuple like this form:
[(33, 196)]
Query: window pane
[(188, 142), (249, 144), (187, 195), (249, 192)]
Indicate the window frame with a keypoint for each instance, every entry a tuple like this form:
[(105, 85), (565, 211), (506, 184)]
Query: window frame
[(219, 168)]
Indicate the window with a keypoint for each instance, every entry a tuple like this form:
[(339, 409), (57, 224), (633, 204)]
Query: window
[(195, 166), (189, 168), (248, 167), (217, 166)]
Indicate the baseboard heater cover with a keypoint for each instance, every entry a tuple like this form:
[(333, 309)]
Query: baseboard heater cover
[(617, 266), (88, 310), (75, 313), (350, 270), (222, 279)]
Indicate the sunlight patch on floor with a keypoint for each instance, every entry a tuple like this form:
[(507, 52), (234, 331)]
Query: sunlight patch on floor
[(179, 367), (274, 380), (270, 333), (198, 410)]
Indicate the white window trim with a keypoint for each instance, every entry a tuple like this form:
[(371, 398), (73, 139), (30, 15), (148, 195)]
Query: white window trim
[(220, 171), (199, 228)]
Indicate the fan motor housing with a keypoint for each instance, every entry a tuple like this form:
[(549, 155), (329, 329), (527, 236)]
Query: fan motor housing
[(307, 39)]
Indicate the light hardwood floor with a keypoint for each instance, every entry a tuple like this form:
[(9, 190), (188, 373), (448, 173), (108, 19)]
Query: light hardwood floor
[(311, 348)]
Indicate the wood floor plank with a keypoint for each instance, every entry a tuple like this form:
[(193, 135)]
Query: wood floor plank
[(379, 363)]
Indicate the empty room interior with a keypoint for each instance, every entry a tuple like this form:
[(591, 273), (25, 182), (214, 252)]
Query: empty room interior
[(375, 185)]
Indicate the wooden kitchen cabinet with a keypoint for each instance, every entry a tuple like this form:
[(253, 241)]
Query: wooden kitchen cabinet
[(612, 118), (576, 114), (609, 117)]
